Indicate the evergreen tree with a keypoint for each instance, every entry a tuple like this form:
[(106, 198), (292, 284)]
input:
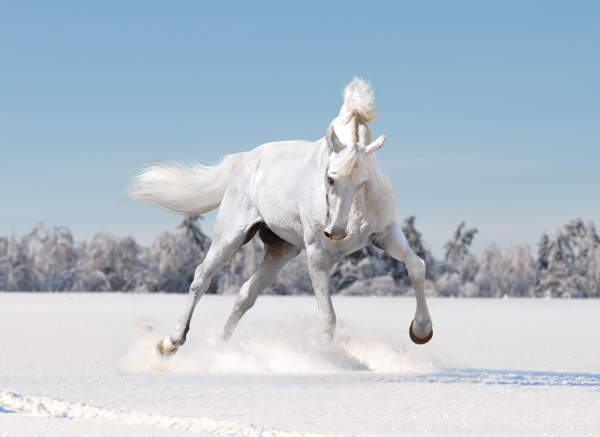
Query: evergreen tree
[(593, 264), (460, 267), (191, 227), (457, 247), (560, 259), (543, 253)]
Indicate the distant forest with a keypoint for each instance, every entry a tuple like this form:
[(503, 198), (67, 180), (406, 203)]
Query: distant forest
[(48, 259)]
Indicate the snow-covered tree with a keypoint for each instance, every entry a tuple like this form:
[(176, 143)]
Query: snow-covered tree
[(584, 242), (293, 279), (560, 259), (358, 268), (48, 259), (21, 273), (572, 261), (512, 272), (593, 260), (458, 272), (457, 247), (191, 227), (543, 253)]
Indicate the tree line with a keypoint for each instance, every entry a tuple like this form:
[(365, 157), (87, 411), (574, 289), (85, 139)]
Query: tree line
[(49, 259)]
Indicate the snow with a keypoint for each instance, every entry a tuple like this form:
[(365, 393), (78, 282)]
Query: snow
[(84, 364)]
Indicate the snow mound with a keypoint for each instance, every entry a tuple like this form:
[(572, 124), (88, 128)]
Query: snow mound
[(40, 406)]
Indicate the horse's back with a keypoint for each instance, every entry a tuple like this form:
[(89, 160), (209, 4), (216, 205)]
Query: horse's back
[(282, 151)]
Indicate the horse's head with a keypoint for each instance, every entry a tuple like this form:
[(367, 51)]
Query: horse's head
[(347, 171), (349, 142)]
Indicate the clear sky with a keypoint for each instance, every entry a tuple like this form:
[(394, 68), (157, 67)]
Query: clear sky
[(491, 109)]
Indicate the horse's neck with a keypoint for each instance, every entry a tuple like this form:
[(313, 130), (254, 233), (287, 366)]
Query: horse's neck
[(378, 194)]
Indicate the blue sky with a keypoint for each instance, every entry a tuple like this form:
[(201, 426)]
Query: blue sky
[(491, 109)]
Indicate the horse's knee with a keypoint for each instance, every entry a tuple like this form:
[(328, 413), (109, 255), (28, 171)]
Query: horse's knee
[(196, 287), (416, 267), (198, 271), (246, 305), (202, 278), (244, 302)]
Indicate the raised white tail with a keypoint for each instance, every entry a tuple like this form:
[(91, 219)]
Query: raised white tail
[(181, 188)]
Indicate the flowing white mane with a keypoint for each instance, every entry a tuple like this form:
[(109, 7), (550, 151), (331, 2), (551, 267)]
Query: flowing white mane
[(344, 162), (359, 100)]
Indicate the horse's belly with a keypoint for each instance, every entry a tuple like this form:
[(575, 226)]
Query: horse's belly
[(292, 235)]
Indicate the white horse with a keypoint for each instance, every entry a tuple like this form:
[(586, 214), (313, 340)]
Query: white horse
[(331, 197)]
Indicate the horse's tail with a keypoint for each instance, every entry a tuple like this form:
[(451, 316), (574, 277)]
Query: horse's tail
[(182, 188)]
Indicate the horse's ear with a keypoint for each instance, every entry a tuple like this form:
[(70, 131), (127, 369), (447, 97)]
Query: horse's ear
[(333, 140), (375, 145)]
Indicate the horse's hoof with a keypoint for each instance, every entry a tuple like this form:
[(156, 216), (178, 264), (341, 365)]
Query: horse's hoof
[(418, 340), (166, 349)]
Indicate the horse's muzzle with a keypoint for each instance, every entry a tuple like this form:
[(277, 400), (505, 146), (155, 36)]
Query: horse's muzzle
[(333, 237)]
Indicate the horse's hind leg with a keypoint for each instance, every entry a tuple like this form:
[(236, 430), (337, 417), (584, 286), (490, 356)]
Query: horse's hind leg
[(223, 247), (277, 254)]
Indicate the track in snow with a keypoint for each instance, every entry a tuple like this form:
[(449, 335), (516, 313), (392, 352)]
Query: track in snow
[(40, 406)]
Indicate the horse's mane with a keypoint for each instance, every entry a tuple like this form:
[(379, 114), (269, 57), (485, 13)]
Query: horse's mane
[(344, 162), (359, 100)]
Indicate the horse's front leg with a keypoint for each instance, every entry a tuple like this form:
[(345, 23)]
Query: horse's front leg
[(319, 265), (394, 243)]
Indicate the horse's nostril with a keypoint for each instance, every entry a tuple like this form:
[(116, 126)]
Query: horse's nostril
[(327, 234)]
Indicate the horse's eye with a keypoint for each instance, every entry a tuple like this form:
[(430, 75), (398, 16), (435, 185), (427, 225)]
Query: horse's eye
[(330, 181)]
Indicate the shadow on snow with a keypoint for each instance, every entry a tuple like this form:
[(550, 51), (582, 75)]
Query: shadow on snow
[(501, 377)]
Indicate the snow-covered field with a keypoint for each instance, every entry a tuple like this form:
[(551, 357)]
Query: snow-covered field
[(84, 364)]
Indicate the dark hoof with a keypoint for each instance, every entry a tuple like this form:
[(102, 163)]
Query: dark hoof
[(164, 351), (416, 339)]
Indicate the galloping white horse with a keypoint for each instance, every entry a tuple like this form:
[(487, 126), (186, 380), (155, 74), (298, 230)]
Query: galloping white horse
[(331, 197)]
